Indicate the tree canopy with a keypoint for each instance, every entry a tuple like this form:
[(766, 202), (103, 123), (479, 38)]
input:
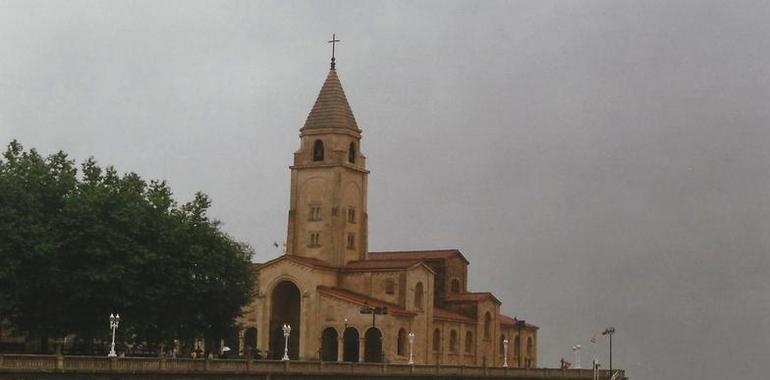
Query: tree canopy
[(77, 245)]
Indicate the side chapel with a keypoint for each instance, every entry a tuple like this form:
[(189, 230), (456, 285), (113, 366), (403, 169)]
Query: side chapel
[(344, 303)]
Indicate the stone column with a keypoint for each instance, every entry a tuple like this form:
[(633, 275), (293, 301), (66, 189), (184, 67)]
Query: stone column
[(340, 347), (361, 347)]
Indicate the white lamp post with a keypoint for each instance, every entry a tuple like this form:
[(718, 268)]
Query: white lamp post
[(576, 350), (114, 321), (411, 344), (505, 353), (286, 332)]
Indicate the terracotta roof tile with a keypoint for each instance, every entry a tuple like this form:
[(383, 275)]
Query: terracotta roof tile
[(439, 313), (420, 255), (380, 264), (362, 299), (508, 321), (472, 296), (331, 108)]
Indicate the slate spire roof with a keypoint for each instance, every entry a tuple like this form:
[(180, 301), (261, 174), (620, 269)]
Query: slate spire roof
[(331, 108)]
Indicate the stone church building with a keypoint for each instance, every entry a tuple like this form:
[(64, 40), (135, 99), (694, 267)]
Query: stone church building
[(344, 303)]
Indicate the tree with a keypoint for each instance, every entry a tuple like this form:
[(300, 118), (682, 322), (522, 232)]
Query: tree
[(76, 248)]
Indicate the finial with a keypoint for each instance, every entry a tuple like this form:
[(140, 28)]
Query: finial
[(333, 41)]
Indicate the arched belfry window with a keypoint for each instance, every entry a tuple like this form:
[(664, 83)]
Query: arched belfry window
[(318, 150), (352, 153)]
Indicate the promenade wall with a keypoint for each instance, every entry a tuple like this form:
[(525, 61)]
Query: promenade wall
[(54, 367)]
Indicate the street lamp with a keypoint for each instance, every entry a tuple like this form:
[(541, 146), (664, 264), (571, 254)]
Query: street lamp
[(286, 332), (576, 350), (114, 321), (609, 331), (374, 311), (411, 344), (505, 353)]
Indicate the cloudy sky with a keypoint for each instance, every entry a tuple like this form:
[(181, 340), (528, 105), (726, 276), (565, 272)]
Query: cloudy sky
[(600, 163)]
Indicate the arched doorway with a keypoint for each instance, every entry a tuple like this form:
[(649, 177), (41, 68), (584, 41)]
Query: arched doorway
[(350, 345), (329, 345), (250, 342), (373, 346), (285, 300)]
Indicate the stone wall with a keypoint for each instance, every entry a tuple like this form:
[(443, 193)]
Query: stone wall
[(90, 367)]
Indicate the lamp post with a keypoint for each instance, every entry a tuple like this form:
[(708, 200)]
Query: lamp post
[(114, 321), (576, 350), (286, 332), (609, 331), (411, 344), (505, 353), (374, 311)]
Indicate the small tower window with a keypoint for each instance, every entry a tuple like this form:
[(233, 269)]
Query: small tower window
[(468, 342), (351, 215), (455, 285), (390, 286), (315, 213), (436, 340), (487, 325), (351, 240), (453, 341), (352, 153), (418, 296), (318, 150), (315, 239)]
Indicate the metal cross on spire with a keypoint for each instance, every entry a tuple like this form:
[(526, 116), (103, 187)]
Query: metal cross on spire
[(333, 41)]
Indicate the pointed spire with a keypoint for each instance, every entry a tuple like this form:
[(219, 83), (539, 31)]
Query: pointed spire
[(331, 108)]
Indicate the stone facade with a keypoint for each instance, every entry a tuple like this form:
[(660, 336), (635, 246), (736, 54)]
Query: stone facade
[(327, 283)]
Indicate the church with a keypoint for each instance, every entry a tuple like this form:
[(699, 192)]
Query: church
[(344, 303)]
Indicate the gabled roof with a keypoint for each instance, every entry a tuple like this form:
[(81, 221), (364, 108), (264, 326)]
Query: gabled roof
[(309, 261), (439, 313), (381, 264), (511, 322), (418, 255), (331, 108), (472, 297), (361, 299)]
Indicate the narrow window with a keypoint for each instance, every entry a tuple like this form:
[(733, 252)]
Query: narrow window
[(487, 326), (390, 286), (351, 215), (468, 342), (315, 213), (529, 346), (401, 347), (453, 341), (436, 339), (315, 239), (318, 150), (516, 346), (455, 285), (352, 153), (418, 296), (351, 241)]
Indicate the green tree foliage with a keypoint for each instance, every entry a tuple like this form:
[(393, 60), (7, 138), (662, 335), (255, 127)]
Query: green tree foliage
[(76, 247)]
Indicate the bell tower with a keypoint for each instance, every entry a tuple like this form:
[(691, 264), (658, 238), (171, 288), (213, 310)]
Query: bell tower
[(327, 207)]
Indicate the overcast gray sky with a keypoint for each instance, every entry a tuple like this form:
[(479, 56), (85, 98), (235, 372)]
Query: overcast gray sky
[(600, 163)]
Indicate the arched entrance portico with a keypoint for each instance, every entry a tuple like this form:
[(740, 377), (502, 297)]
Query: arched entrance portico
[(350, 342), (373, 347), (329, 345), (285, 308)]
